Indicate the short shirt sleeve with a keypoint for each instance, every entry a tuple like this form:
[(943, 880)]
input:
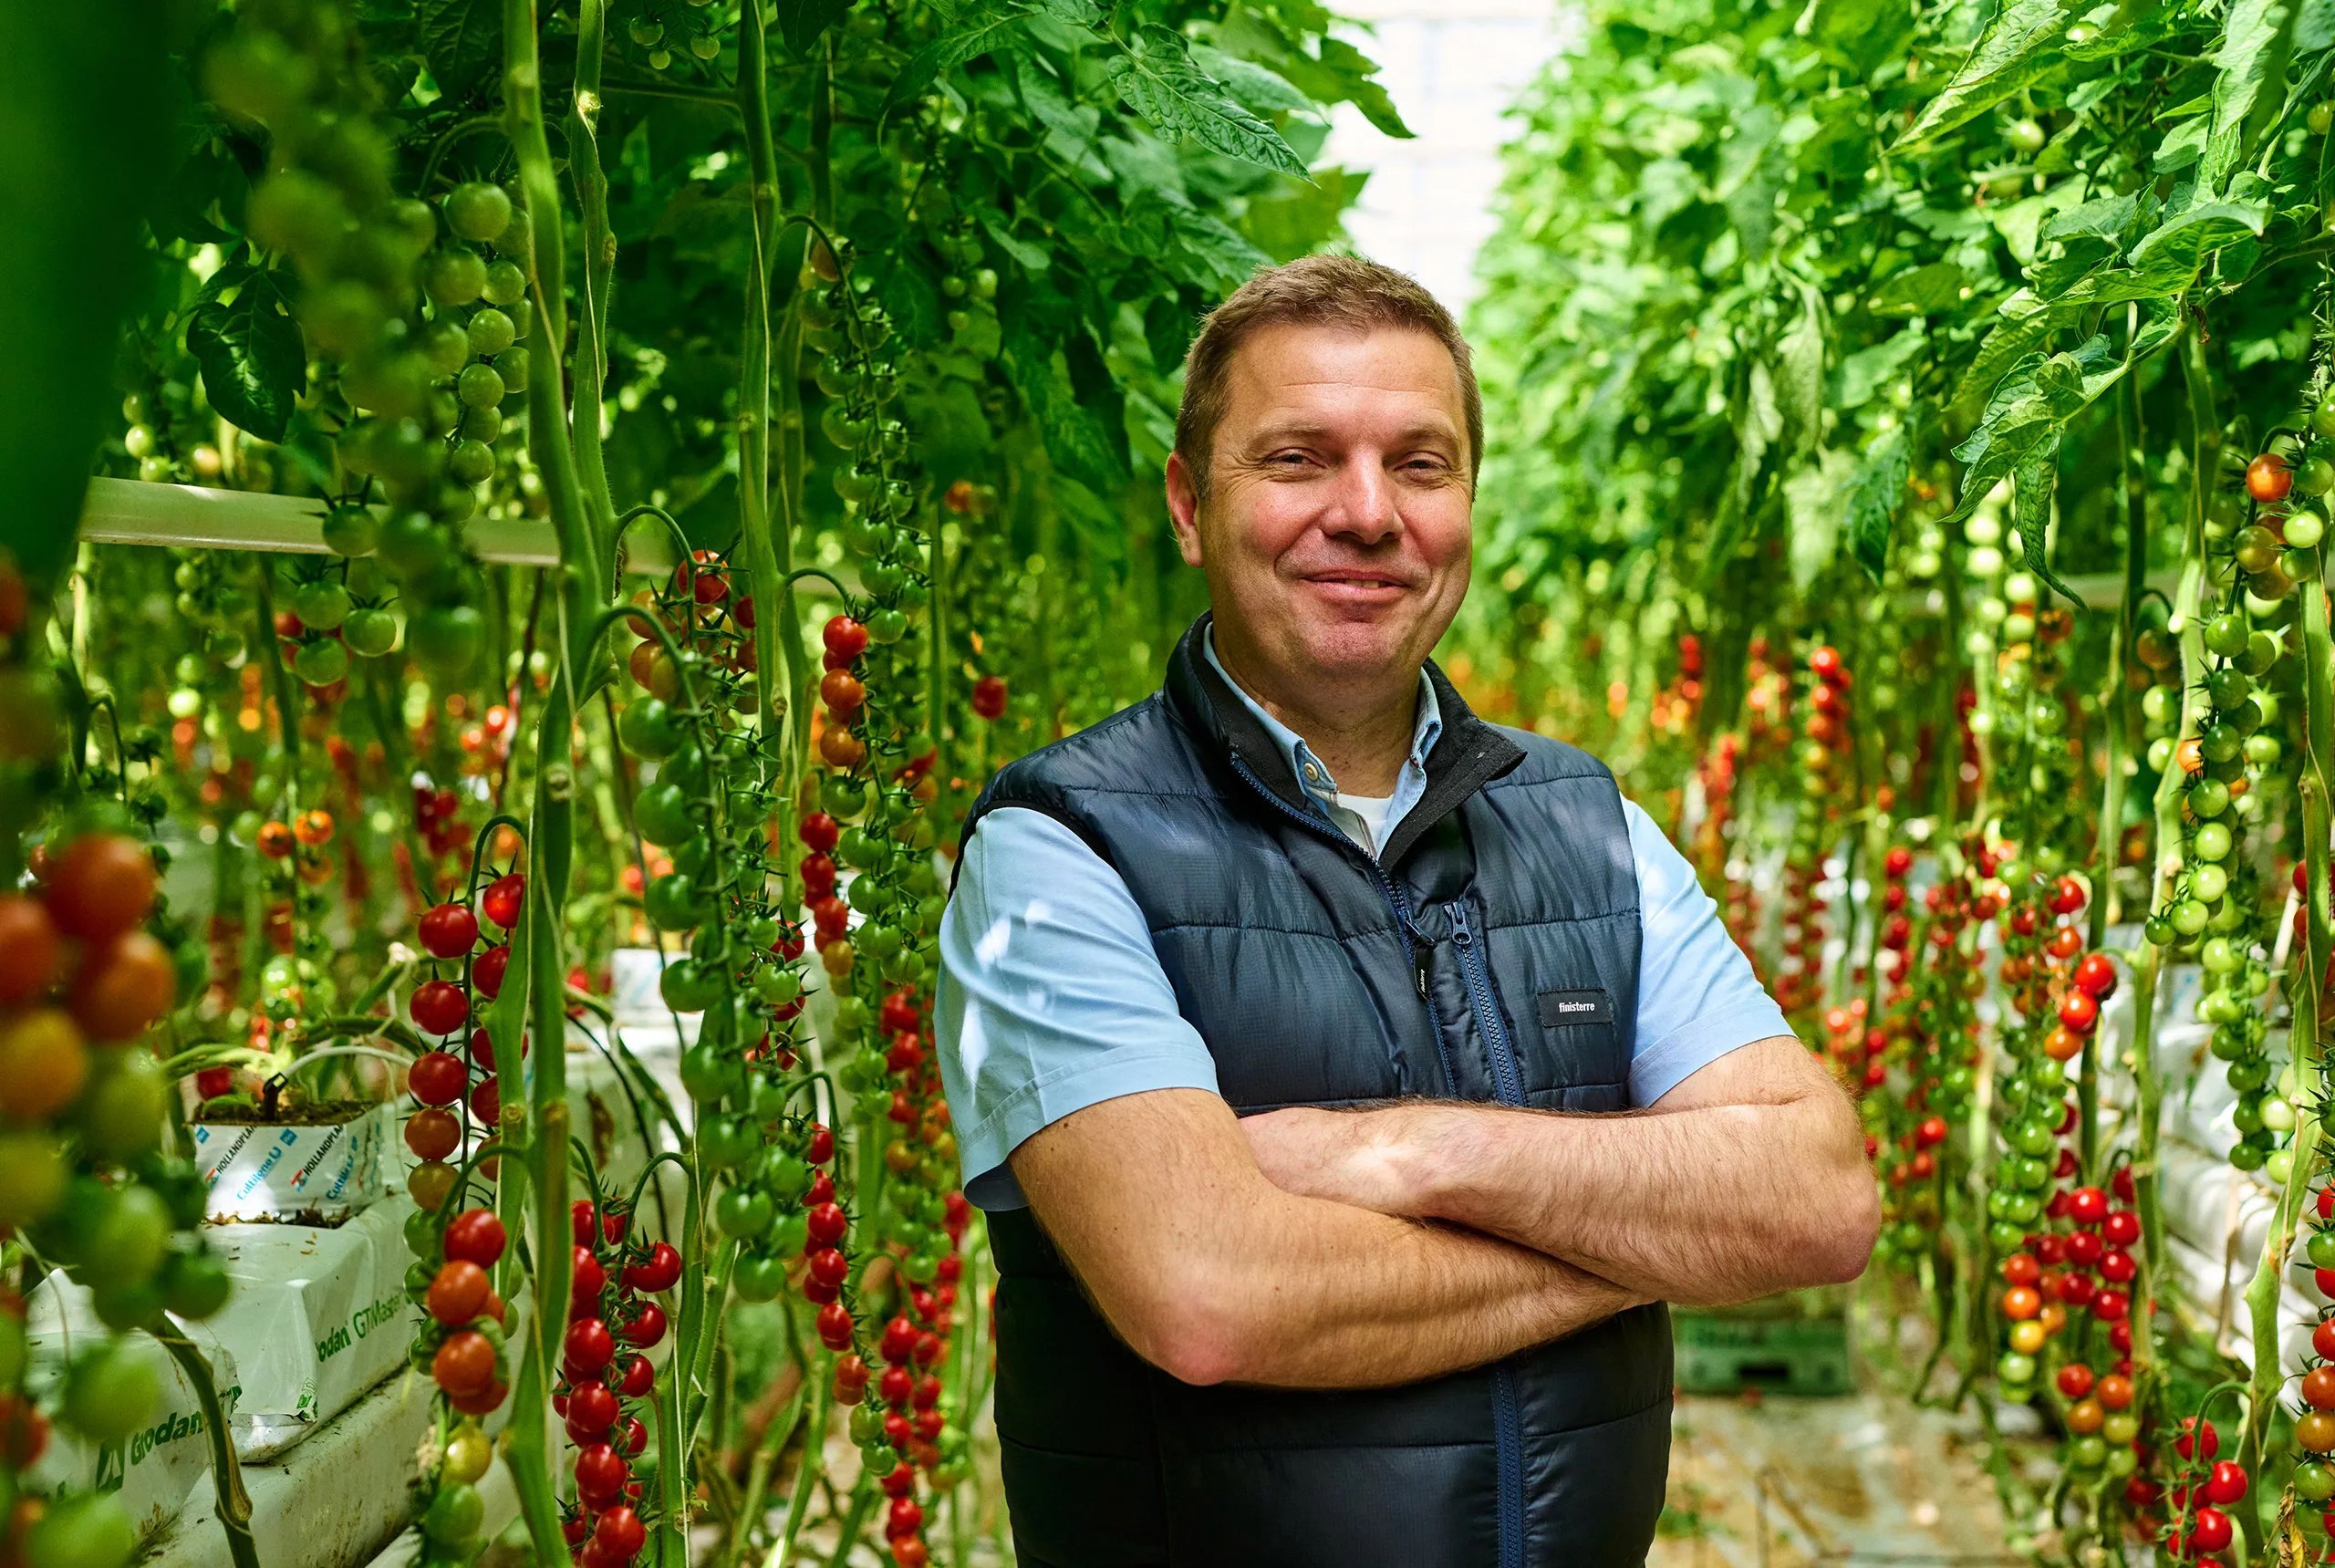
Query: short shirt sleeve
[(1698, 998), (1051, 998)]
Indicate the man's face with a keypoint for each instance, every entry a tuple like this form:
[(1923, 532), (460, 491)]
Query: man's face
[(1337, 532)]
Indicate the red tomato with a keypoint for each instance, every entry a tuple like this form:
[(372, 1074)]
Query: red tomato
[(648, 1326), (124, 987), (102, 886), (487, 970), (2267, 479), (592, 1406), (835, 1327), (464, 1362), (440, 1007), (844, 637), (638, 1379), (590, 1278), (2225, 1483), (588, 1345), (621, 1533), (660, 1271), (2096, 975), (438, 1078), (433, 1134), (827, 1224), (989, 697), (475, 1236), (600, 1474), (29, 952), (459, 1292), (502, 901), (486, 1102)]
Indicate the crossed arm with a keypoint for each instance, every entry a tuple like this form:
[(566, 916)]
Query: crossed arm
[(1355, 1249)]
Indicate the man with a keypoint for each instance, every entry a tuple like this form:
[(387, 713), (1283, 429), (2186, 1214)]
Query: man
[(1294, 1019)]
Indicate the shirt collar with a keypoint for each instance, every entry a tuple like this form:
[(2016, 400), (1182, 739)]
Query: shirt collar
[(1308, 770)]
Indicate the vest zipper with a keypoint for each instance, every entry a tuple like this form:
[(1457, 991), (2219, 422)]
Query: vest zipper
[(1420, 947), (1507, 1426), (1507, 1422)]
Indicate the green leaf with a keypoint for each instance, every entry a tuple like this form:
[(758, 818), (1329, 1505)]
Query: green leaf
[(1920, 291), (982, 30), (2252, 65), (2183, 146), (2017, 46), (1865, 372), (1358, 73), (463, 41), (2106, 218), (1156, 78), (1874, 496), (2180, 245), (1254, 86), (1812, 506), (800, 22), (1075, 437), (1029, 255), (1799, 372), (253, 360), (2034, 478)]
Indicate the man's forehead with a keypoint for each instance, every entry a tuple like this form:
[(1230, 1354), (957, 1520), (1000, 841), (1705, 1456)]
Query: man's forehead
[(1286, 372)]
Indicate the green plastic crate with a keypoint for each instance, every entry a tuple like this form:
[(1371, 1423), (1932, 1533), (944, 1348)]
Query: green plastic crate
[(1720, 1353)]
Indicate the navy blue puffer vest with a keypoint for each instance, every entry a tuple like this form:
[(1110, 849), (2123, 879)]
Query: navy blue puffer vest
[(1491, 954)]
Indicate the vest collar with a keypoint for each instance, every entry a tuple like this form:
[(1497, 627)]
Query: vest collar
[(1469, 754)]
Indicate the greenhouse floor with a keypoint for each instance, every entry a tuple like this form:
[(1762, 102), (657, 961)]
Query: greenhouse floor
[(1864, 1479)]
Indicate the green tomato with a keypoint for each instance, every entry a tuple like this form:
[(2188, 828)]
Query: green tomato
[(491, 332), (457, 1513), (81, 1531), (506, 285), (129, 1238), (686, 986), (648, 728), (675, 903), (758, 1276), (2314, 1481), (109, 1392), (479, 387), (369, 632), (321, 663), (478, 211), (120, 1113), (2016, 1371), (195, 1284), (662, 813), (743, 1214), (451, 277), (447, 640), (351, 531), (471, 461)]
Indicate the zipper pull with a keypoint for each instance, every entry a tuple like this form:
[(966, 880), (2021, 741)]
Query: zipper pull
[(1419, 952)]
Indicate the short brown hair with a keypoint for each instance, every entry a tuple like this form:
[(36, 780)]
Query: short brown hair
[(1312, 291)]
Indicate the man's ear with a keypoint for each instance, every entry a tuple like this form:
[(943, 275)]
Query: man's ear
[(1184, 508)]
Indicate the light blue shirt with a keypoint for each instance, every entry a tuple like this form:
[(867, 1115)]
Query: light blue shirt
[(1051, 998)]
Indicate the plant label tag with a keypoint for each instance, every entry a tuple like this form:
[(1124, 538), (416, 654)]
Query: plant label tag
[(1563, 1007)]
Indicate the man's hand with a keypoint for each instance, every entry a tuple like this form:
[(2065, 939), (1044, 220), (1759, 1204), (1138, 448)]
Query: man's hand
[(1217, 1275), (1746, 1178), (1344, 1156)]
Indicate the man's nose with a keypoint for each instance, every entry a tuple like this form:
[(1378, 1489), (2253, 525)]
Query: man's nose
[(1364, 506)]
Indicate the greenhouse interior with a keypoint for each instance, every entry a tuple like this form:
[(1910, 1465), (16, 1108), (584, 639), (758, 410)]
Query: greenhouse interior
[(548, 524)]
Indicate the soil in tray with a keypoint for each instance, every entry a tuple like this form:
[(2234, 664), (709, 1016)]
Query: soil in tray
[(316, 1114)]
